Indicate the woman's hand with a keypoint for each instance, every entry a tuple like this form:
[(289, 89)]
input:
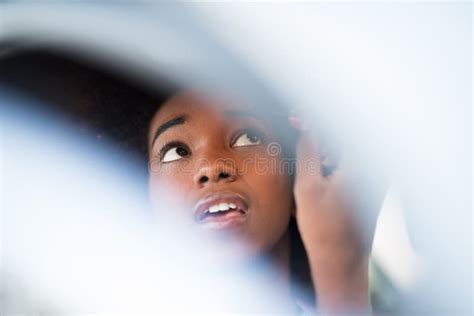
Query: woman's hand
[(337, 250)]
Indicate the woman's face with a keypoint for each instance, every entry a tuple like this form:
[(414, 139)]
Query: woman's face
[(216, 162)]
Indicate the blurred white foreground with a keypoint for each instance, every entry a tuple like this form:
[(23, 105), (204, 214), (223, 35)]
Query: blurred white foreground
[(390, 83)]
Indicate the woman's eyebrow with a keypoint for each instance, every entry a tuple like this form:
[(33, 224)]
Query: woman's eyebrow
[(163, 127)]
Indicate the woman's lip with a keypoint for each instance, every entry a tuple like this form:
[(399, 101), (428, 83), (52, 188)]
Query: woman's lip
[(221, 197), (228, 220)]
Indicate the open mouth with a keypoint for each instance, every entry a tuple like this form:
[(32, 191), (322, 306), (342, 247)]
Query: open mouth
[(221, 210)]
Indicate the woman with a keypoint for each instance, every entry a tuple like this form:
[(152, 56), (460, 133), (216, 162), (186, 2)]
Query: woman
[(212, 151), (207, 152)]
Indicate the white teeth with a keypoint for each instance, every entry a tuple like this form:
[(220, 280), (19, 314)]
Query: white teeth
[(214, 209), (223, 207)]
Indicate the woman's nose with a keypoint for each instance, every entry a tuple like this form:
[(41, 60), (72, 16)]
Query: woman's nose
[(219, 171)]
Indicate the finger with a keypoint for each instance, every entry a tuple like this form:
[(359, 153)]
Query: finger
[(296, 122)]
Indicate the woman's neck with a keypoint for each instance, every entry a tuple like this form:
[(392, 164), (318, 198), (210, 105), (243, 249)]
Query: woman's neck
[(280, 255)]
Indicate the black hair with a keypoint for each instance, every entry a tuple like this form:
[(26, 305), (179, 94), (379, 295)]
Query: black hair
[(102, 105), (300, 274)]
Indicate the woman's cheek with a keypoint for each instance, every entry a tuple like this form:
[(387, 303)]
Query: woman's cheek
[(272, 213), (167, 189), (273, 190)]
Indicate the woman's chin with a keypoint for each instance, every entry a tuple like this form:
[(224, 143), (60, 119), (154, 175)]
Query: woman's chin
[(233, 245)]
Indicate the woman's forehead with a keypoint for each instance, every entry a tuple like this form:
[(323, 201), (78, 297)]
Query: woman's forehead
[(193, 104)]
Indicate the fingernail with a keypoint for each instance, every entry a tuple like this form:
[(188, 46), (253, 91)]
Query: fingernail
[(294, 122)]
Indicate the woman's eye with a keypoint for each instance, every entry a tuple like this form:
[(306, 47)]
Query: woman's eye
[(174, 153), (247, 139)]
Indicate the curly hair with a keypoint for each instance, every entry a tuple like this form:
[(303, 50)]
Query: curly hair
[(102, 105)]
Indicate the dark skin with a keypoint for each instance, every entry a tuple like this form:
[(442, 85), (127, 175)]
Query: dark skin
[(204, 129)]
